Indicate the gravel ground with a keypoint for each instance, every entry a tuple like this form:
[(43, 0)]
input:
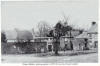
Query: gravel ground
[(33, 58)]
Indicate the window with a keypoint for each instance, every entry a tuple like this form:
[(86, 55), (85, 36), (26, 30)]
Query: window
[(90, 35), (95, 44), (90, 41)]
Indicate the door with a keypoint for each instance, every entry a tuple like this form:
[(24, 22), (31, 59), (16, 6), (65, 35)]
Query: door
[(49, 47)]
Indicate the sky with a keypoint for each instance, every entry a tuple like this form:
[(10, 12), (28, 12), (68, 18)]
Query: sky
[(27, 14)]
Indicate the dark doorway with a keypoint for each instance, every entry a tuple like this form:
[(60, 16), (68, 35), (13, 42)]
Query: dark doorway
[(49, 47)]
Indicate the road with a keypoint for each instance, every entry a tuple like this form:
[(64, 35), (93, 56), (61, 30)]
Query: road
[(30, 58)]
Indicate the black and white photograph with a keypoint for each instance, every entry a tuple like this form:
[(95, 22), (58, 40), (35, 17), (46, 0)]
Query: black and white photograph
[(49, 31)]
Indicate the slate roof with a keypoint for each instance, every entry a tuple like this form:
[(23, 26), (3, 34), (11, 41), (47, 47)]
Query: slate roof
[(12, 35), (93, 29), (83, 35)]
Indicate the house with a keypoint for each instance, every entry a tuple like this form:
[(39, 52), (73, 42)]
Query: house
[(65, 40), (47, 40), (80, 39), (13, 37), (93, 35), (37, 44)]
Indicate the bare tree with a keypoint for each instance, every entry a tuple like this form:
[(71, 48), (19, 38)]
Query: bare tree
[(43, 28)]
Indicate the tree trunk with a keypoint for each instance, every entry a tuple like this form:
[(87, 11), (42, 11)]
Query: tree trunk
[(56, 52), (71, 45), (56, 47)]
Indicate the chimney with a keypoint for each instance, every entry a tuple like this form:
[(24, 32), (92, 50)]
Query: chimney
[(93, 23)]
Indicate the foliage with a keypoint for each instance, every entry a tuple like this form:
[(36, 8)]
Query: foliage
[(4, 47), (59, 30), (3, 37)]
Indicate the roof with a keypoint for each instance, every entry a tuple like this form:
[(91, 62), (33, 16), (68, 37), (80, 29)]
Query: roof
[(23, 35), (11, 34), (83, 35), (93, 29), (73, 33), (43, 37)]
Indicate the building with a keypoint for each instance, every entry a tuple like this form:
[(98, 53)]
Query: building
[(81, 40), (48, 40), (93, 35), (65, 40), (36, 45)]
